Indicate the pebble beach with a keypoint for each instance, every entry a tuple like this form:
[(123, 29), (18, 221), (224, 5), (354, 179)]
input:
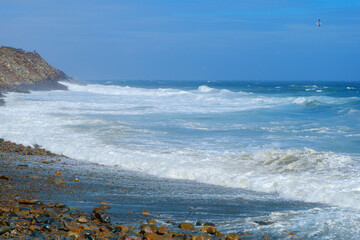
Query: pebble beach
[(35, 185)]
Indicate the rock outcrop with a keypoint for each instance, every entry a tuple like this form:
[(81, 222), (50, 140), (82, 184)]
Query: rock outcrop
[(21, 71)]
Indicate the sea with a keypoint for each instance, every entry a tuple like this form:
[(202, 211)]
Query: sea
[(280, 158)]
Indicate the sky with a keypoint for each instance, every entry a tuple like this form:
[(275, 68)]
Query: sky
[(189, 39)]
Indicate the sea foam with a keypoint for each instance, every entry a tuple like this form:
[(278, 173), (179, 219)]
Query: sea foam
[(124, 126)]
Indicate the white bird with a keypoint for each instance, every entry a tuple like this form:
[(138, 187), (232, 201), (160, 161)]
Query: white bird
[(318, 23)]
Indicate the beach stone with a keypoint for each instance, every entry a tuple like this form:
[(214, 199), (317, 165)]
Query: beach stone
[(98, 209), (199, 223), (59, 205), (73, 235), (162, 230), (3, 209), (51, 213), (167, 236), (47, 227), (59, 181), (15, 209), (179, 236), (219, 234), (5, 177), (37, 235), (200, 237), (152, 236), (145, 212), (80, 231), (26, 201), (34, 227), (151, 222), (37, 202), (44, 219), (119, 227), (23, 222), (153, 227), (4, 229), (232, 236), (102, 217), (186, 226), (106, 206), (63, 227), (131, 227), (87, 228), (88, 236), (82, 220), (70, 225), (209, 229), (263, 223), (146, 229), (132, 238)]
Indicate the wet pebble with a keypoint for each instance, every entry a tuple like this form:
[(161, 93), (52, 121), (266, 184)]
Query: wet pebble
[(5, 177)]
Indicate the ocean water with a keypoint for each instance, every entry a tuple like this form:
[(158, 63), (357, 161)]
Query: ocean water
[(276, 141)]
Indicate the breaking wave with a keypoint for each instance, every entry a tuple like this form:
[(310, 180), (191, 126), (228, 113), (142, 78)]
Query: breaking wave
[(100, 124)]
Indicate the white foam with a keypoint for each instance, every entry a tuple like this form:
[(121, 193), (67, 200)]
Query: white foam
[(322, 100), (124, 100), (60, 122), (306, 101), (205, 89), (317, 223)]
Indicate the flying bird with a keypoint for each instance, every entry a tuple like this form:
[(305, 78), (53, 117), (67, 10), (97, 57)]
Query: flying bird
[(318, 23)]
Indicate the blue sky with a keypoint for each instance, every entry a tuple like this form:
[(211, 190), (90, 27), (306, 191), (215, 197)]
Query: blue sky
[(189, 39)]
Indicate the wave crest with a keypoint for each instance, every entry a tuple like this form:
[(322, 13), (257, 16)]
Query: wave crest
[(292, 160), (205, 89), (307, 101)]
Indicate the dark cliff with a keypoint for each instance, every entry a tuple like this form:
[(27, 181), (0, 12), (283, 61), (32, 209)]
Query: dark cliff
[(21, 71)]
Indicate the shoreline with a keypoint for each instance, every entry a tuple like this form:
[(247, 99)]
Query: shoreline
[(31, 176), (43, 85)]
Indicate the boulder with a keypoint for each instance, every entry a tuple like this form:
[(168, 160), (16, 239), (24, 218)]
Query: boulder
[(145, 212), (162, 230), (209, 229), (232, 236), (186, 226)]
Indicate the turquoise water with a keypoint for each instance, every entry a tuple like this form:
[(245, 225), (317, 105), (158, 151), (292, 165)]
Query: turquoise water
[(285, 141)]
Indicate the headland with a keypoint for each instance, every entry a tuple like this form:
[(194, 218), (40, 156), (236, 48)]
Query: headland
[(21, 71)]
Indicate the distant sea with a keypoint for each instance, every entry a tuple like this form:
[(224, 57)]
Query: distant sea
[(277, 141)]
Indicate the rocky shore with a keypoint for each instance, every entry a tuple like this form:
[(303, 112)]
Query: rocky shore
[(21, 71), (35, 182)]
